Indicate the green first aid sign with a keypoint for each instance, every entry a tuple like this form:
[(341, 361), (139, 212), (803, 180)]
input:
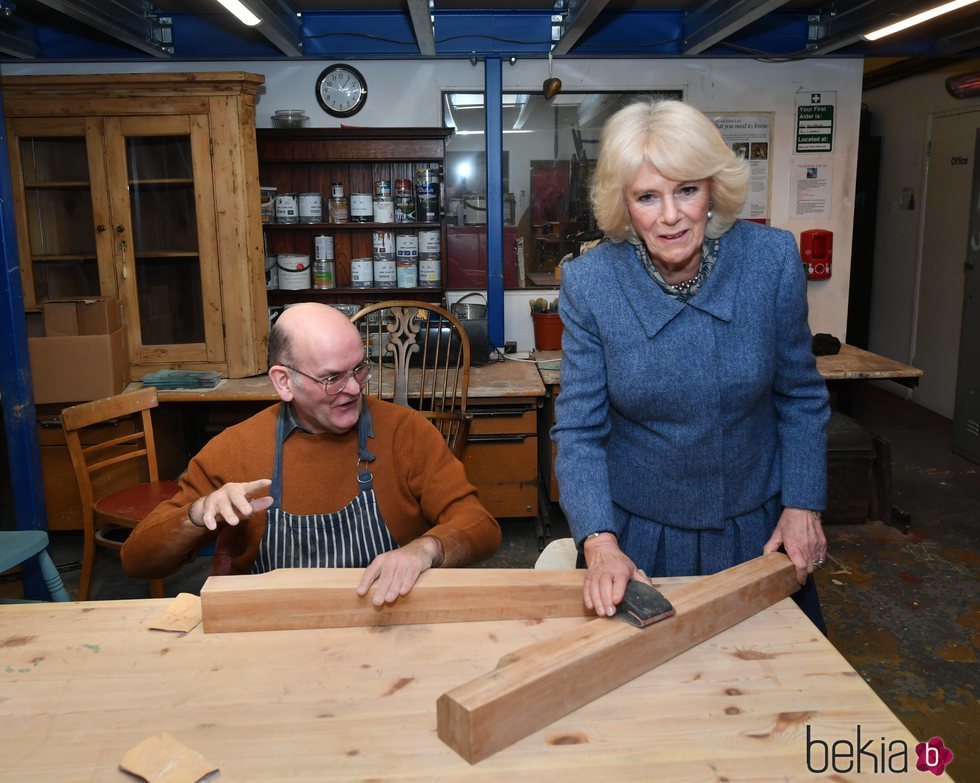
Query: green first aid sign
[(814, 127)]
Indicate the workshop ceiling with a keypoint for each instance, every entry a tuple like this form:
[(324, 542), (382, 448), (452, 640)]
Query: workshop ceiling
[(80, 30)]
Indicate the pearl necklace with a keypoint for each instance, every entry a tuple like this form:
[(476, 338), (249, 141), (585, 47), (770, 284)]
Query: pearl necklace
[(687, 285)]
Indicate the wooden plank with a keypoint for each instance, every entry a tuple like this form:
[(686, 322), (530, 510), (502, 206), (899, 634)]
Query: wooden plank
[(293, 598), (536, 685)]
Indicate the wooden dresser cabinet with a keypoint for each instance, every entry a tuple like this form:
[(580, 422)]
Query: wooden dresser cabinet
[(145, 187)]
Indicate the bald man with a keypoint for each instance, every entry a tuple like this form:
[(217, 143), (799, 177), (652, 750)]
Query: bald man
[(325, 478)]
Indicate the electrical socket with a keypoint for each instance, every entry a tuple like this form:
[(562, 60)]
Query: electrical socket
[(510, 347)]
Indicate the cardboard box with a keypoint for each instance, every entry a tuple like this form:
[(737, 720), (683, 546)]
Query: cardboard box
[(82, 355)]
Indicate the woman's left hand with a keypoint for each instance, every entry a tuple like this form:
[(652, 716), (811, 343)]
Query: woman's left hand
[(800, 534)]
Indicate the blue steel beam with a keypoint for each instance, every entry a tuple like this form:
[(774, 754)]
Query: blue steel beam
[(19, 417), (493, 88)]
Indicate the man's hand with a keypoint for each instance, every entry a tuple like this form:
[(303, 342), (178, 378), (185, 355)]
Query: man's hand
[(231, 504), (397, 571), (609, 573), (801, 536)]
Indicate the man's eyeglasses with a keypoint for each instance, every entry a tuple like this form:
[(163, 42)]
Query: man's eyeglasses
[(335, 384)]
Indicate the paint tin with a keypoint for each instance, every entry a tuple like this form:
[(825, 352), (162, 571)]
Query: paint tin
[(271, 273), (360, 208), (267, 204), (407, 245), (324, 274), (337, 209), (427, 182), (430, 271), (294, 271), (406, 273), (427, 209), (361, 272), (382, 189), (403, 187), (474, 210), (383, 243), (404, 209), (385, 272), (323, 247), (287, 208), (384, 210), (337, 190), (429, 242), (310, 208)]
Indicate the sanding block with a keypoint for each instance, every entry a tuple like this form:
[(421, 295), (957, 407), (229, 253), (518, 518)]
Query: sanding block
[(643, 605)]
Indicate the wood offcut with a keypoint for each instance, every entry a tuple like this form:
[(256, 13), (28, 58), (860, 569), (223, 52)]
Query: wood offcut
[(293, 598), (536, 685)]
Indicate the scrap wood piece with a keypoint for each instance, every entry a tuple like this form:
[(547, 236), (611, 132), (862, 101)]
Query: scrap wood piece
[(164, 759), (536, 685), (294, 598), (183, 614)]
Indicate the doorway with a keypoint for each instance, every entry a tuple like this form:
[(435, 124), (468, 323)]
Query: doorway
[(945, 233)]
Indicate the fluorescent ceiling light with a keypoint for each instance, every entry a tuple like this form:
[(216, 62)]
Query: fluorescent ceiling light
[(925, 16), (244, 15)]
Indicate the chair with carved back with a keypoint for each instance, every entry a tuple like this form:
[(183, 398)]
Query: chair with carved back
[(420, 357), (118, 478)]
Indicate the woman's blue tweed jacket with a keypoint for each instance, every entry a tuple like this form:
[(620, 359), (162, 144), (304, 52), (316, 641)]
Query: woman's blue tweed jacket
[(692, 413)]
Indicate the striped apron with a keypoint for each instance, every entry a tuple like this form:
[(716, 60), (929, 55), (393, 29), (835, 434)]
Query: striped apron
[(349, 538)]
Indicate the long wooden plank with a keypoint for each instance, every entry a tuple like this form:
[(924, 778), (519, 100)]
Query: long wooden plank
[(536, 685), (293, 598)]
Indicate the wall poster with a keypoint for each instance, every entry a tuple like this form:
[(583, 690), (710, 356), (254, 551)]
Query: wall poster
[(750, 137)]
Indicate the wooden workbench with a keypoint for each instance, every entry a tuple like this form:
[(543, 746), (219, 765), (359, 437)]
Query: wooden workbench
[(497, 381), (81, 683)]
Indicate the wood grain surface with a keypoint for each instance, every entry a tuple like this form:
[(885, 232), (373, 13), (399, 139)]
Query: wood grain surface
[(81, 683), (291, 598)]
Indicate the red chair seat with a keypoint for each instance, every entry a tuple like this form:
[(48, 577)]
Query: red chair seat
[(136, 502)]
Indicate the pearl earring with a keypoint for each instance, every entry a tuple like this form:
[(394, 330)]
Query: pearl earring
[(711, 211)]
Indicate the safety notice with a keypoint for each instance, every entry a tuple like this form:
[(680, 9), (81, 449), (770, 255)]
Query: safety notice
[(815, 121)]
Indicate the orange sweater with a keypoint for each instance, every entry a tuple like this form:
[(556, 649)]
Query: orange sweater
[(421, 490)]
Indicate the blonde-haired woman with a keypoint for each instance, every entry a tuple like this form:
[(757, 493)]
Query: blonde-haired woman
[(690, 424)]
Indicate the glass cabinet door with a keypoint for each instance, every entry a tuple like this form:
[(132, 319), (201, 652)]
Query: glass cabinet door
[(165, 241), (58, 176)]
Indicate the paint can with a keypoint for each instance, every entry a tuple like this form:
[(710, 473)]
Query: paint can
[(474, 210), (294, 271), (429, 242), (337, 209), (383, 243), (271, 273), (404, 209), (385, 272), (324, 274), (382, 189), (287, 208), (360, 208), (430, 271), (407, 273), (403, 187), (323, 247), (267, 204), (361, 272), (407, 245), (384, 210), (310, 208), (427, 195)]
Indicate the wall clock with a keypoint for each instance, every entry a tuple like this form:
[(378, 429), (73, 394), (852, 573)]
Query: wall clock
[(341, 90)]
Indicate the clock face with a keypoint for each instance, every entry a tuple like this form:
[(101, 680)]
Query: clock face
[(341, 90)]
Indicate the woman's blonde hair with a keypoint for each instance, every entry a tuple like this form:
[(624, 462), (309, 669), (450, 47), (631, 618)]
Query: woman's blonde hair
[(682, 144)]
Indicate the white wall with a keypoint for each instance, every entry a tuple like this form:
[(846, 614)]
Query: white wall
[(900, 114), (407, 93)]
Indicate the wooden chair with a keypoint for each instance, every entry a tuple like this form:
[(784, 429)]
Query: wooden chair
[(127, 458), (421, 359), (17, 546)]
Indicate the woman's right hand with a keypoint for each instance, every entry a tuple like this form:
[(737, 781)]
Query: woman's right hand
[(610, 571)]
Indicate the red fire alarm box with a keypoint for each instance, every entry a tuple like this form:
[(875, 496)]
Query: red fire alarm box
[(816, 250)]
